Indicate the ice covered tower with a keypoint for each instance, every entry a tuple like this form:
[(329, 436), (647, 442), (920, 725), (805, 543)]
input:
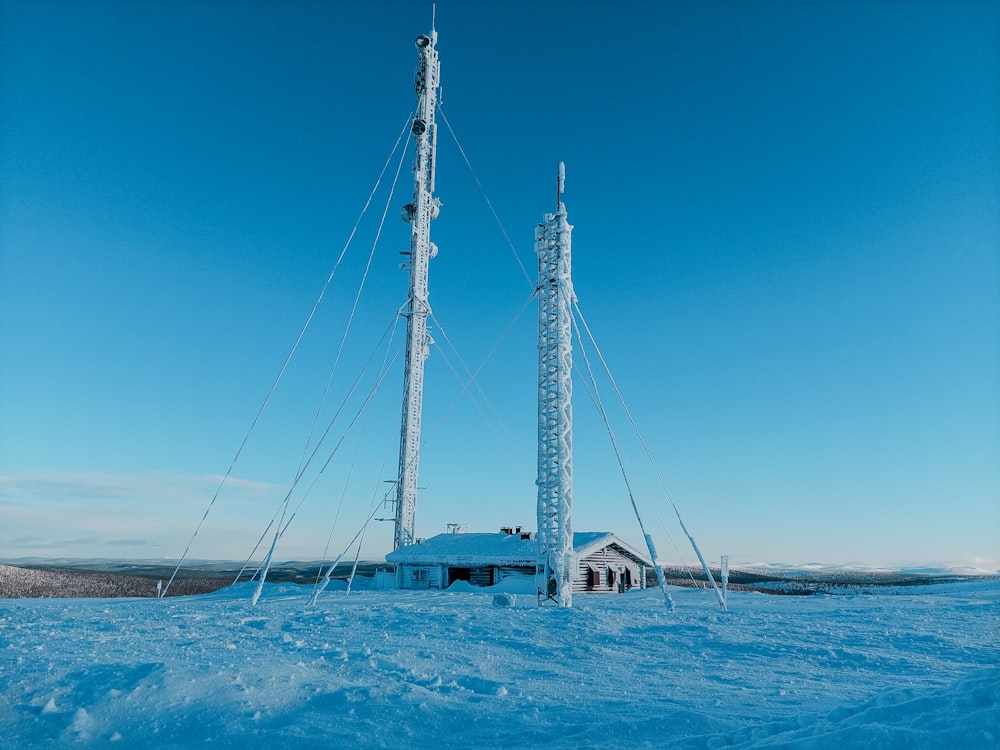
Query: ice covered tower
[(556, 566), (418, 213)]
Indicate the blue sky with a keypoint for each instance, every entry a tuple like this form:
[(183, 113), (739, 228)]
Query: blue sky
[(787, 243)]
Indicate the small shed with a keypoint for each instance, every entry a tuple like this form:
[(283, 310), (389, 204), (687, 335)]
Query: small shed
[(605, 564)]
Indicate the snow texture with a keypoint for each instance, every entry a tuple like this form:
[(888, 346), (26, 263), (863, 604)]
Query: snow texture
[(914, 667)]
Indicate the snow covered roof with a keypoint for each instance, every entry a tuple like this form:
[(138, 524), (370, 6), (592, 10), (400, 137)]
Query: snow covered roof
[(470, 549), (498, 549), (587, 542)]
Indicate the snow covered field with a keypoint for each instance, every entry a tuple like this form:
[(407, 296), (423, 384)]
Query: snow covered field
[(913, 667)]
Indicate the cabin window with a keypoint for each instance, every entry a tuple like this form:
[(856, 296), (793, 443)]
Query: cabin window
[(419, 574), (593, 578)]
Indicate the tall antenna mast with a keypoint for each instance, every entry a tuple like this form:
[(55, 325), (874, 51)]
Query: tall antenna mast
[(419, 214), (556, 564)]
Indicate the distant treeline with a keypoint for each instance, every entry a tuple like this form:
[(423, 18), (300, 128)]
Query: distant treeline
[(110, 578), (20, 583)]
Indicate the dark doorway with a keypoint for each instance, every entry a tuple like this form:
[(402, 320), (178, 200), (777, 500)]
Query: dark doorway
[(459, 574)]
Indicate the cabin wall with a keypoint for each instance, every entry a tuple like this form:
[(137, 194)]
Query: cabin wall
[(438, 576), (420, 576), (481, 577), (504, 572), (487, 575), (607, 571), (476, 575)]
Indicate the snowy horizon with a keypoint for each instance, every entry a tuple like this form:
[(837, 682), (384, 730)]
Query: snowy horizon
[(973, 566)]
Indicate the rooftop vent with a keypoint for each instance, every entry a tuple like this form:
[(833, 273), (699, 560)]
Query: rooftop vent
[(517, 531)]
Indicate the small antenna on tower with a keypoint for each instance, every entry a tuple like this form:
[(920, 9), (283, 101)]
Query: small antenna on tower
[(561, 185)]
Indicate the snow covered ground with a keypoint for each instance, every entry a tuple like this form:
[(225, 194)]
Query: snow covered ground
[(899, 668)]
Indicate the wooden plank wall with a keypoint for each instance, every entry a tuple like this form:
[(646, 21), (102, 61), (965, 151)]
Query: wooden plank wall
[(599, 562), (421, 576)]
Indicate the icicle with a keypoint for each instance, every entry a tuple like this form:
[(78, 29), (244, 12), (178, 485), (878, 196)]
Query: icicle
[(354, 568), (704, 565), (321, 586), (264, 569), (725, 577), (651, 548)]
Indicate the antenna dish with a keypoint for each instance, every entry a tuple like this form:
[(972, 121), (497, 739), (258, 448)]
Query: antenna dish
[(423, 41)]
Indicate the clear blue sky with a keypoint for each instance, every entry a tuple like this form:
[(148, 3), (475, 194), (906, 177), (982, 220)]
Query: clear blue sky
[(787, 242)]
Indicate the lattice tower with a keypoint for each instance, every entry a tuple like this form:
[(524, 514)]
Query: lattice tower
[(419, 214), (556, 563)]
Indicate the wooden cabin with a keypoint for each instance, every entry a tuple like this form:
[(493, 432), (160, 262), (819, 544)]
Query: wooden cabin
[(605, 564), (608, 565)]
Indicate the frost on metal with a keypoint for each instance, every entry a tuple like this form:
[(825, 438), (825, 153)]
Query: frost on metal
[(418, 213), (556, 562)]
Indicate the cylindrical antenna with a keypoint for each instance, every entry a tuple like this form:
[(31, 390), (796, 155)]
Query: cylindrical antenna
[(561, 185)]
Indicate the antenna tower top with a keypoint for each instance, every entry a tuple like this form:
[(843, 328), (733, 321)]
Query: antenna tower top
[(561, 183)]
